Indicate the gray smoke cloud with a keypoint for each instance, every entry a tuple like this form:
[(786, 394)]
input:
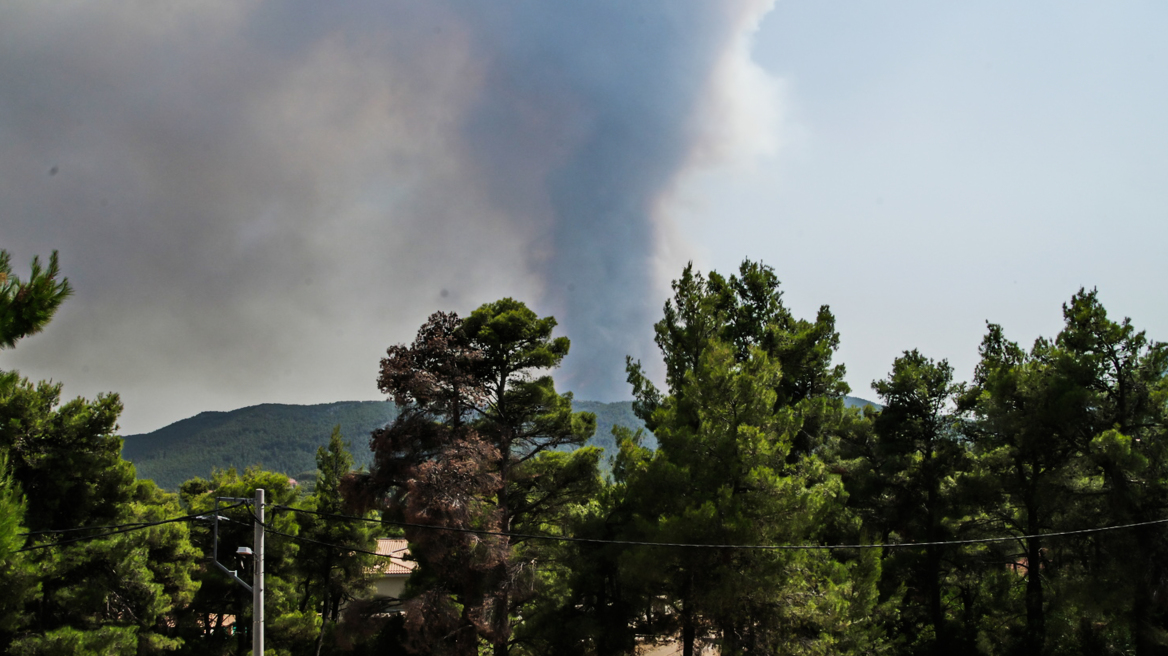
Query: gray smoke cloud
[(254, 199)]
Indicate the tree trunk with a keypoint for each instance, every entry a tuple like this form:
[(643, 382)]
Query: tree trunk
[(1146, 621), (1141, 627), (324, 611), (502, 616), (936, 610), (500, 646), (466, 639), (688, 633), (1035, 615), (730, 642), (968, 618), (933, 566), (240, 629), (688, 625)]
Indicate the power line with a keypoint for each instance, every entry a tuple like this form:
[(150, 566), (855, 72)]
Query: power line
[(339, 547), (83, 528), (301, 538), (767, 547), (137, 526), (113, 526), (118, 529)]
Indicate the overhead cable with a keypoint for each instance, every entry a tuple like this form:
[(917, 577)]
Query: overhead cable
[(771, 547), (340, 547), (117, 530)]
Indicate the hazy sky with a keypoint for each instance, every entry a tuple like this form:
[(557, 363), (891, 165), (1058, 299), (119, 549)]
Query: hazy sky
[(254, 199)]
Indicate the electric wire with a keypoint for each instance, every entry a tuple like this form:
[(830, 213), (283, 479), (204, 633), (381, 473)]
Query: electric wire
[(83, 528), (118, 530), (268, 529), (761, 547), (339, 547), (137, 526), (112, 526)]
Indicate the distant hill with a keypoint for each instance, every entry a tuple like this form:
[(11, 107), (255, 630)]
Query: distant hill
[(284, 438), (609, 415), (278, 437), (857, 402)]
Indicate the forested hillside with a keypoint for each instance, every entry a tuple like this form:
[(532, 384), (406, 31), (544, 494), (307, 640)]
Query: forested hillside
[(277, 437), (284, 438), (1019, 512)]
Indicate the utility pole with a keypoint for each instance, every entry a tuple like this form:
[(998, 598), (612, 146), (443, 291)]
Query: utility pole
[(257, 587), (257, 577)]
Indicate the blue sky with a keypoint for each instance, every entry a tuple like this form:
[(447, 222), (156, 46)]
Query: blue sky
[(945, 164), (254, 200)]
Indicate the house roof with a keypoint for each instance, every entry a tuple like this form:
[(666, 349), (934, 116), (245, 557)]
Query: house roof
[(397, 550)]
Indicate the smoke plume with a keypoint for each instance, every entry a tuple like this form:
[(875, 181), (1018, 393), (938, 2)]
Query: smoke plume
[(254, 199)]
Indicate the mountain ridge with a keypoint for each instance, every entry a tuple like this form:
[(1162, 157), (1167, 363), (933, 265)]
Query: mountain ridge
[(284, 437)]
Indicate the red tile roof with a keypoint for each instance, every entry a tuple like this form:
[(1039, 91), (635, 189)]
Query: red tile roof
[(397, 550)]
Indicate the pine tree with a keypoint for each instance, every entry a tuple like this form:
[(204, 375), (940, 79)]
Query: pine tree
[(1027, 445), (114, 594), (332, 577), (752, 400), (476, 447), (16, 576), (27, 306), (1121, 380), (916, 459)]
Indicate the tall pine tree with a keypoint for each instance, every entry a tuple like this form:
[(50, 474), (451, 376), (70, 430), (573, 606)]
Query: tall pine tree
[(752, 400), (477, 446), (332, 577)]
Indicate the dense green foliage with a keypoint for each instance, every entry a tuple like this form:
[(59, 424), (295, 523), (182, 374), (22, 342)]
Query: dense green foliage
[(73, 585), (26, 306), (478, 446), (110, 593), (973, 491), (17, 578), (285, 438), (107, 595), (332, 578), (291, 629), (753, 403)]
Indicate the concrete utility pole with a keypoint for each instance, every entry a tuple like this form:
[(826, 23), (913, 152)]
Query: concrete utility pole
[(257, 577), (257, 587)]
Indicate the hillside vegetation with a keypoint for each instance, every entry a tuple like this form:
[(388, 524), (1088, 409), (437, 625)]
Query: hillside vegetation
[(278, 437), (284, 438)]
